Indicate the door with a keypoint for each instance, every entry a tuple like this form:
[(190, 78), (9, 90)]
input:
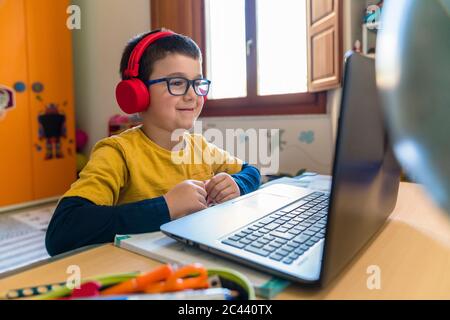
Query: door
[(51, 97), (15, 136), (324, 44)]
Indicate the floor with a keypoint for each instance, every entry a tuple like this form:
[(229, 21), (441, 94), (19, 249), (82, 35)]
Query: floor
[(22, 236)]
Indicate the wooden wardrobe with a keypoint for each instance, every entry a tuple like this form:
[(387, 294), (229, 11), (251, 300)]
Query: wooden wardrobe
[(37, 131)]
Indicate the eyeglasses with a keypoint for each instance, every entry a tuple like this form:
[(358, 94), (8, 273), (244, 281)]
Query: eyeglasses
[(179, 86)]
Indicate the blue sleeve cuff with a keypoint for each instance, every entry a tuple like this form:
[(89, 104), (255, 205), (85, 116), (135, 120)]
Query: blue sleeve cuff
[(248, 180)]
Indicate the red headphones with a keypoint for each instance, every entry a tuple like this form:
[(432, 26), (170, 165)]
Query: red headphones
[(132, 94)]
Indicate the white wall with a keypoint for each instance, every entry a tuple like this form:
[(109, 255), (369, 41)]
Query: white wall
[(313, 153), (353, 16), (106, 26)]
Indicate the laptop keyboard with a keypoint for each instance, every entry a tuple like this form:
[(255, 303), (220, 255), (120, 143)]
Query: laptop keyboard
[(286, 234)]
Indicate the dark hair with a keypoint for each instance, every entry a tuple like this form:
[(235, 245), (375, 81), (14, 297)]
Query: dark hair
[(158, 50)]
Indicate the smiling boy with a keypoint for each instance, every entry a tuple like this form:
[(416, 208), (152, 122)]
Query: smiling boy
[(131, 183)]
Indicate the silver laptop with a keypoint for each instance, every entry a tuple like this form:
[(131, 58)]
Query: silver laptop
[(303, 235)]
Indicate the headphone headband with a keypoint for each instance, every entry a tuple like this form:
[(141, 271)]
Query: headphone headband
[(132, 94), (132, 70)]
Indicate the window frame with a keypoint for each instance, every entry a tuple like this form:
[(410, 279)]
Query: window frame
[(188, 17)]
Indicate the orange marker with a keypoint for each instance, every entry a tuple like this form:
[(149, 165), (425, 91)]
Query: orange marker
[(139, 283), (189, 277)]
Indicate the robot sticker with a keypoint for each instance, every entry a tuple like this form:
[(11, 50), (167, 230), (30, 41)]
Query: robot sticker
[(7, 101), (52, 128)]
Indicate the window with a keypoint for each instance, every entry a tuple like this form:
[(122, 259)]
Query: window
[(281, 62), (264, 57), (226, 51)]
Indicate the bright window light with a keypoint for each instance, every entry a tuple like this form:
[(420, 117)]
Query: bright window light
[(226, 48), (282, 46)]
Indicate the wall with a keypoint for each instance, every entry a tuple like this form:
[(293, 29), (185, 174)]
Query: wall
[(353, 12), (97, 50), (305, 141), (106, 26)]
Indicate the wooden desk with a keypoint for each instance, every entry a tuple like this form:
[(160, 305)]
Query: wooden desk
[(412, 251)]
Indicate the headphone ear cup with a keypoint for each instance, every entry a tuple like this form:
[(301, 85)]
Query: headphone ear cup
[(132, 96)]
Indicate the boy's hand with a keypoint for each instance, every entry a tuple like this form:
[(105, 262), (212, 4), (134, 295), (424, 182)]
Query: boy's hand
[(185, 198), (221, 188)]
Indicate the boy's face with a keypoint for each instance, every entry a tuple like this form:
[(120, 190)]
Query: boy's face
[(170, 112)]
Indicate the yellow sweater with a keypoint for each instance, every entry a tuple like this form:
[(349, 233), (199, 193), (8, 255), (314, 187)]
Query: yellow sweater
[(130, 167)]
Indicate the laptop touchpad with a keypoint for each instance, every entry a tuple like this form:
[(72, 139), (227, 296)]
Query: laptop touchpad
[(262, 200)]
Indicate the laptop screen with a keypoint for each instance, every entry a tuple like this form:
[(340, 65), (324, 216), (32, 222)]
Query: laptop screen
[(366, 174)]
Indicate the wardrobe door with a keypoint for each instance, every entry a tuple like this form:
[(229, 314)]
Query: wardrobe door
[(15, 135), (52, 102)]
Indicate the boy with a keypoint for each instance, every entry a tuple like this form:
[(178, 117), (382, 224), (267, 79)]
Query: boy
[(132, 183)]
